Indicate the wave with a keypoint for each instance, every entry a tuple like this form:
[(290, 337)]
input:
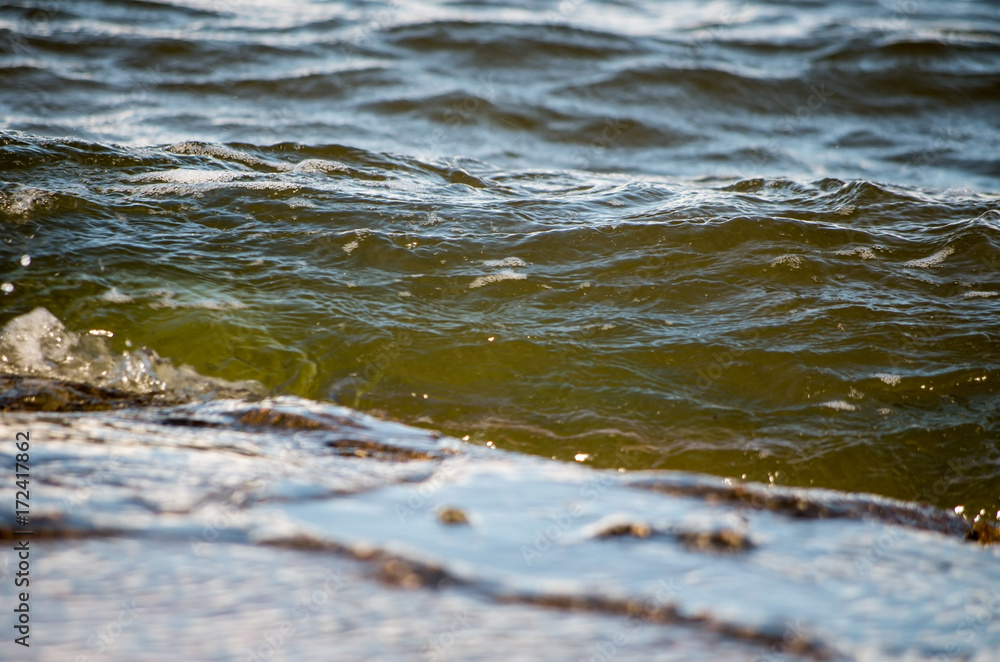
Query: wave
[(72, 371)]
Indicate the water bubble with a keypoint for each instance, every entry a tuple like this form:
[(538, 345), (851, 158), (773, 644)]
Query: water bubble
[(25, 260), (7, 288)]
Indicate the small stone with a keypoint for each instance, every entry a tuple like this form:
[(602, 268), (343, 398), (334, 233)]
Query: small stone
[(452, 516), (723, 540), (633, 529)]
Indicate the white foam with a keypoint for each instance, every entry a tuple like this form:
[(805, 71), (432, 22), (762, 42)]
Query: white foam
[(37, 340), (888, 378), (864, 252), (189, 176), (225, 153), (931, 260), (980, 294), (115, 296), (506, 262), (22, 204), (793, 261), (321, 166), (506, 274), (161, 188), (204, 304), (840, 405)]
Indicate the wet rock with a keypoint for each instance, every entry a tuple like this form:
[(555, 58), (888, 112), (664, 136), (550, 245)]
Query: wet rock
[(809, 504), (634, 529), (150, 478), (409, 574), (452, 516), (723, 540), (375, 449), (984, 533)]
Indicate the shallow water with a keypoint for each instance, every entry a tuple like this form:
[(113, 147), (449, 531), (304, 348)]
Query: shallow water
[(757, 240)]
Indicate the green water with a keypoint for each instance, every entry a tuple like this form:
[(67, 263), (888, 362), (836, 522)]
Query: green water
[(830, 333)]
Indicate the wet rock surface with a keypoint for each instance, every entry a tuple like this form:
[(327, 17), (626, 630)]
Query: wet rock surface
[(219, 519)]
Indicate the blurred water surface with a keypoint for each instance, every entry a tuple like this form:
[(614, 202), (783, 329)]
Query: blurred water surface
[(759, 240)]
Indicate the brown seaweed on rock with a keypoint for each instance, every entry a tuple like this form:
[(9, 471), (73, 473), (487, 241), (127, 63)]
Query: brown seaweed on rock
[(824, 504)]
